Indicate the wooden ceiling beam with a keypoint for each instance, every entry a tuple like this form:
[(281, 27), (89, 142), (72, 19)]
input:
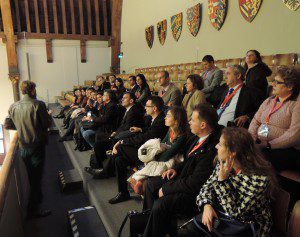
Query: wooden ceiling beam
[(97, 17), (63, 9), (81, 19), (27, 16), (104, 8), (36, 14), (89, 14), (55, 16), (11, 51), (46, 16), (72, 17), (17, 15)]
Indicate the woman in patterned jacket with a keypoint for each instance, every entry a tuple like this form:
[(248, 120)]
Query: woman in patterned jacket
[(240, 185)]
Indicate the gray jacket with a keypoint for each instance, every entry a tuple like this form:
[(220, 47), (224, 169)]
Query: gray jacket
[(172, 95), (32, 121), (212, 80)]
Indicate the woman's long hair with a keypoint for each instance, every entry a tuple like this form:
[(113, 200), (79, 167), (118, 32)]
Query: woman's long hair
[(251, 161), (120, 80), (144, 81), (179, 114)]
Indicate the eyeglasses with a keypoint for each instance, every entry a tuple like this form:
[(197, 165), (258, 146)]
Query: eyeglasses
[(278, 82)]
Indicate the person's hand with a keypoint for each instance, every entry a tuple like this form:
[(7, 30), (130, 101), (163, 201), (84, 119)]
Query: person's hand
[(115, 151), (208, 215), (160, 193), (263, 144), (113, 134), (240, 121), (135, 129), (170, 174), (84, 118), (225, 168), (50, 112)]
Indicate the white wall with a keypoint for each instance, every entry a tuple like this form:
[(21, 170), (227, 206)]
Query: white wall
[(6, 91), (274, 30), (66, 69)]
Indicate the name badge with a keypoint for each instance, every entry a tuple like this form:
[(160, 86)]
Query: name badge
[(263, 130)]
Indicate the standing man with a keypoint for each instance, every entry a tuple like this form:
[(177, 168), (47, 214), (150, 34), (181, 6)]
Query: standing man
[(32, 121), (212, 75), (169, 93)]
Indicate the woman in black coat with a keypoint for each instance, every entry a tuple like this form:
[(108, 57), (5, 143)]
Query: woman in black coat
[(256, 72)]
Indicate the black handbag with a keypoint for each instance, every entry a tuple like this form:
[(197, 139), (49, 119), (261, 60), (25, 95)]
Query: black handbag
[(225, 226), (137, 222), (9, 124)]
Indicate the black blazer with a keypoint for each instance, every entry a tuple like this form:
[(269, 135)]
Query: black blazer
[(158, 129), (248, 102), (193, 172), (106, 120), (133, 118)]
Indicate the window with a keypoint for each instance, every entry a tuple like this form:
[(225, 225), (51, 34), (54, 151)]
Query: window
[(2, 145)]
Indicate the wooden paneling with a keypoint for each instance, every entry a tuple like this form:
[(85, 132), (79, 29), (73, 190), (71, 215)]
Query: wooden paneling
[(49, 50), (62, 36), (89, 15), (83, 51)]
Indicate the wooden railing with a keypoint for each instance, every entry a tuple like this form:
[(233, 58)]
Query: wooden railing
[(6, 169)]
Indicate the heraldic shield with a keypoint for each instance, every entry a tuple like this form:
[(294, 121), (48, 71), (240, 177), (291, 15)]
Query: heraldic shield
[(176, 26), (249, 8), (194, 15), (292, 4), (217, 10), (149, 31), (162, 31)]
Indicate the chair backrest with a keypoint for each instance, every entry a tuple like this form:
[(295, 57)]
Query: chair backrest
[(280, 204), (294, 223)]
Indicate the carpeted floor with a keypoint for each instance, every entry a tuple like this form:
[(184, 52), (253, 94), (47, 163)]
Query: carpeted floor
[(55, 225)]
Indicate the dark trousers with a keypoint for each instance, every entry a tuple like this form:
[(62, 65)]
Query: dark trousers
[(127, 156), (165, 209), (34, 161), (284, 159), (102, 144)]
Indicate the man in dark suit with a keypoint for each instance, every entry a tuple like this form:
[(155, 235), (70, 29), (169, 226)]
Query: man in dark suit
[(175, 191), (132, 84), (126, 150), (134, 116), (239, 102)]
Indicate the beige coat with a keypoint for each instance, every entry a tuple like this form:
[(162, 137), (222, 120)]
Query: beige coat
[(197, 97)]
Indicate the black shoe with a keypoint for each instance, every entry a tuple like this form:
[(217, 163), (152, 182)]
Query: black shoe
[(100, 174), (121, 197), (39, 213), (92, 171)]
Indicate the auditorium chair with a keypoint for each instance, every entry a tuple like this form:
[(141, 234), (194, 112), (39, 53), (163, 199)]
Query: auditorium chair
[(233, 61), (221, 64), (269, 60), (198, 68), (285, 59), (89, 83), (279, 206), (294, 222)]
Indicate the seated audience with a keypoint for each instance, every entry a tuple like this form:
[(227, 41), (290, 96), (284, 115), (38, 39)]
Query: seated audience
[(256, 72), (239, 102), (101, 84), (133, 117), (169, 92), (120, 89), (174, 193), (105, 121), (132, 84), (173, 143), (276, 125), (112, 81), (194, 85), (125, 151), (143, 92), (238, 190), (212, 75)]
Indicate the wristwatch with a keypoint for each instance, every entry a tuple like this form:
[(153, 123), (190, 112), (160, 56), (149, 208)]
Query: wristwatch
[(268, 146)]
